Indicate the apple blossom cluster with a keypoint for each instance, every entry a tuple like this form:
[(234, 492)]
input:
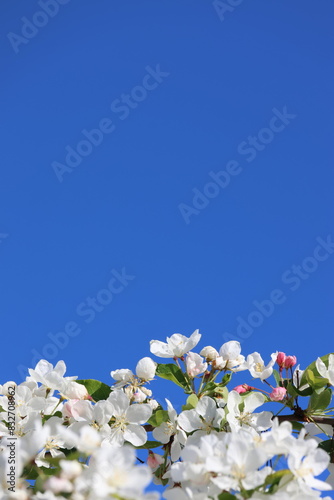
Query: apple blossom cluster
[(64, 438)]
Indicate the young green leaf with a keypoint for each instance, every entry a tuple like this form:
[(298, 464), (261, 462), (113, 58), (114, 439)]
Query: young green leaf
[(173, 373), (158, 417), (319, 402), (98, 390)]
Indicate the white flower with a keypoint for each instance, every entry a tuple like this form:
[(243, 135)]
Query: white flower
[(128, 419), (177, 345), (166, 430), (278, 440), (25, 402), (114, 474), (58, 485), (209, 353), (195, 364), (229, 356), (257, 368), (330, 479), (153, 403), (73, 390), (202, 419), (53, 441), (70, 468), (324, 371), (49, 376), (122, 377), (304, 468), (81, 436), (238, 467), (145, 368), (237, 418), (84, 412)]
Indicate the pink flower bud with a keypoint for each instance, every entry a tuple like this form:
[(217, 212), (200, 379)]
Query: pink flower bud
[(278, 394), (241, 389), (154, 460), (281, 356), (290, 361), (68, 408)]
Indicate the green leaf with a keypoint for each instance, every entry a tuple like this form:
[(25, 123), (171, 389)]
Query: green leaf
[(277, 377), (71, 454), (312, 367), (293, 391), (226, 496), (297, 426), (319, 402), (221, 392), (315, 381), (191, 403), (192, 400), (275, 478), (98, 390), (149, 445), (226, 379), (158, 417), (30, 473), (173, 373), (327, 445), (56, 414)]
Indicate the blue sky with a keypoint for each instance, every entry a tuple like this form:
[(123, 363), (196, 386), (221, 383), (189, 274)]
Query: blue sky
[(179, 156)]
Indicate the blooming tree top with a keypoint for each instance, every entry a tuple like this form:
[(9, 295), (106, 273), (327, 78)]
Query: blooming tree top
[(63, 438)]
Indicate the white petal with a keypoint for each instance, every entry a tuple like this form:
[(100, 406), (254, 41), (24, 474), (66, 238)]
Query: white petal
[(206, 407), (119, 401), (253, 401), (230, 350), (189, 420), (160, 349), (321, 367), (138, 413), (135, 434)]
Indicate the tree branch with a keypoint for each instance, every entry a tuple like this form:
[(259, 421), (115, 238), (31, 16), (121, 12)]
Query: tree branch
[(305, 418)]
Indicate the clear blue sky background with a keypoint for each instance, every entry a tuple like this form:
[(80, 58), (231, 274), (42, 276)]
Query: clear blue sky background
[(119, 208)]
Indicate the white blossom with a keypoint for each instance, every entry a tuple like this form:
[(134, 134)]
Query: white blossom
[(243, 418), (145, 368), (177, 345), (195, 364), (256, 366), (324, 371), (127, 420), (49, 376)]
